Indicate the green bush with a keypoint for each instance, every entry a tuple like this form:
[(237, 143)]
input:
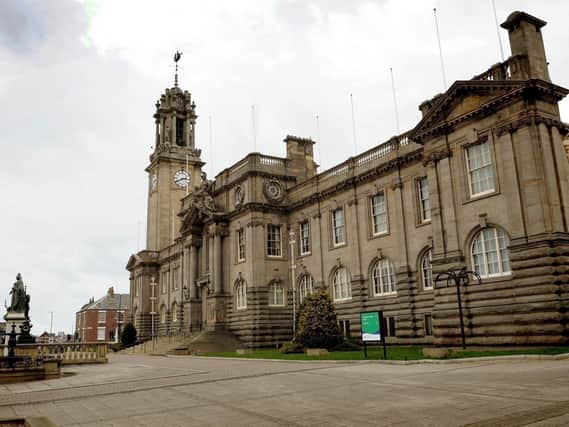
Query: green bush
[(291, 347), (128, 335), (317, 323)]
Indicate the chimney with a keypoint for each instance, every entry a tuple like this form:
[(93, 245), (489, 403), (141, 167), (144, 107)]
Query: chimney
[(524, 31), (111, 292), (300, 155)]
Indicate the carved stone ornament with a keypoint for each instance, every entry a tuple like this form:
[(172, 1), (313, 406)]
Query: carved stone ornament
[(201, 199), (239, 196), (273, 191)]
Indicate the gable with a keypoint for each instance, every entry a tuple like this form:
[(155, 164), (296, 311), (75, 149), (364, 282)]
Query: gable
[(462, 100)]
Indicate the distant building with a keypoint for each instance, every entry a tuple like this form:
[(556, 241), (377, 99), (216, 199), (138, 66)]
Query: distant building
[(45, 338), (102, 320)]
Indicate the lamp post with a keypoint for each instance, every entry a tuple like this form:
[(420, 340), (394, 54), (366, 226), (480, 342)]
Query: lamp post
[(152, 302), (459, 277), (292, 242)]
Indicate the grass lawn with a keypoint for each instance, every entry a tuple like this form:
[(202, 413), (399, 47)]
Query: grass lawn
[(393, 353)]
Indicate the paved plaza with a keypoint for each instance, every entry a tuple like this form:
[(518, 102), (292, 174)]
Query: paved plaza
[(137, 390)]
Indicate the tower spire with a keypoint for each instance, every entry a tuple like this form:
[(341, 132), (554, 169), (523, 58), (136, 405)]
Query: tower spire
[(177, 57)]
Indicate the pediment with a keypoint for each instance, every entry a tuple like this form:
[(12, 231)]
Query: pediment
[(132, 261), (463, 100)]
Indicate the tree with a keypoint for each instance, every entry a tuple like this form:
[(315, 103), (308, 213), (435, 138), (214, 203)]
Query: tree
[(128, 336), (317, 323)]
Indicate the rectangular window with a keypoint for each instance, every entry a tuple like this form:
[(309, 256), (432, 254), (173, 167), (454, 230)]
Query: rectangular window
[(164, 284), (338, 227), (428, 325), (240, 245), (379, 213), (480, 171), (390, 323), (101, 333), (304, 238), (274, 240), (102, 316), (344, 326), (424, 204), (176, 277)]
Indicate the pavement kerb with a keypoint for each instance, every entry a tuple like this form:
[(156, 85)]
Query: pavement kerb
[(509, 358)]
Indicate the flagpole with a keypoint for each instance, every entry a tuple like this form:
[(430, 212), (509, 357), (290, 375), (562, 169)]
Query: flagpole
[(498, 30), (319, 142), (210, 147), (395, 102), (253, 128), (354, 125), (440, 50)]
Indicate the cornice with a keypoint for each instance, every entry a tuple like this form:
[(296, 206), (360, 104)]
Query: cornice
[(252, 174)]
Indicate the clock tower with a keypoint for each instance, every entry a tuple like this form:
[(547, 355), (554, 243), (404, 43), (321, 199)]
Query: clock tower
[(175, 165)]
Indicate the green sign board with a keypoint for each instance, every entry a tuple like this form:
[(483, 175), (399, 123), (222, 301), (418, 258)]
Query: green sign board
[(371, 325)]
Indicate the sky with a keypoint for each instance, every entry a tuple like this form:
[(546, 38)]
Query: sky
[(79, 80)]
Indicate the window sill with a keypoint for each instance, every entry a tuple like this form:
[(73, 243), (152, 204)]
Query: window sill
[(493, 278), (379, 235), (387, 295), (303, 255), (276, 305), (481, 196), (342, 300), (338, 246), (423, 223)]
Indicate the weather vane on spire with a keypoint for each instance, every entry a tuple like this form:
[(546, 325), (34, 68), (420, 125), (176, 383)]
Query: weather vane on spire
[(177, 57)]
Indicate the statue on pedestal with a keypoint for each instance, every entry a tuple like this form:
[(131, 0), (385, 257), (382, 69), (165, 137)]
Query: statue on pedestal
[(18, 312), (20, 299)]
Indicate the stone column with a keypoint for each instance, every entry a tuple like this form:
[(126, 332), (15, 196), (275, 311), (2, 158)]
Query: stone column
[(157, 142), (210, 262), (217, 266), (193, 269)]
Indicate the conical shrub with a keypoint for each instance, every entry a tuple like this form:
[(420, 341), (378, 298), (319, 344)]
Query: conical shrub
[(317, 323)]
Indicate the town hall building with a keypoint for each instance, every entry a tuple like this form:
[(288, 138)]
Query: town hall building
[(481, 182)]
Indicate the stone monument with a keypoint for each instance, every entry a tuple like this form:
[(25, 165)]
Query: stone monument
[(18, 312)]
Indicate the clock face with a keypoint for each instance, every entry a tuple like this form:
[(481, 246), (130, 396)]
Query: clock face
[(153, 181), (182, 179)]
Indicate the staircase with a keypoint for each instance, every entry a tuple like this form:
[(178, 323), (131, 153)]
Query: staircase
[(196, 344)]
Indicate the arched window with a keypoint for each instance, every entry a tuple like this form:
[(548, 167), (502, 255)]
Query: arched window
[(174, 312), (490, 257), (342, 286), (276, 294), (241, 294), (427, 270), (305, 286), (383, 277), (163, 314)]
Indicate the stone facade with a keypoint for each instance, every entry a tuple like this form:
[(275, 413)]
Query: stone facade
[(482, 182)]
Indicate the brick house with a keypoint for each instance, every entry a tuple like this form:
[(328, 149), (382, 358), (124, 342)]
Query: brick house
[(102, 320)]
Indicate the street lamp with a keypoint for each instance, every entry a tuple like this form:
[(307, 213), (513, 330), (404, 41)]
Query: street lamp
[(152, 301), (292, 242), (459, 277)]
